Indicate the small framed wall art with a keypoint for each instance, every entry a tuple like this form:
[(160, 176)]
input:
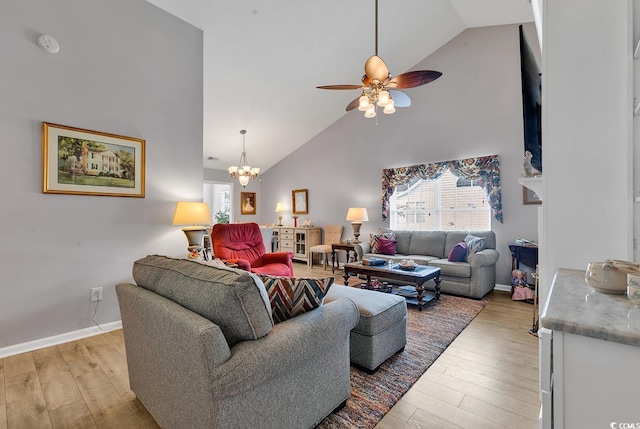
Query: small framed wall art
[(84, 162), (247, 203), (300, 202), (529, 197)]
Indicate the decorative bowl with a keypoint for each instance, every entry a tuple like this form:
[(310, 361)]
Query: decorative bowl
[(633, 288), (605, 277), (407, 264)]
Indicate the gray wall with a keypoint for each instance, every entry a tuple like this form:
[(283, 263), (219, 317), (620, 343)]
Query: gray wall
[(125, 67), (474, 109)]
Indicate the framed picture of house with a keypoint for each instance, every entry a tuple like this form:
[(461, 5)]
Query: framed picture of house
[(247, 203), (84, 162), (299, 200), (529, 197)]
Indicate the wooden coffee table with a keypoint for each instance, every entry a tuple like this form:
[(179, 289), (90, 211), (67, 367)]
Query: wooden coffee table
[(417, 278)]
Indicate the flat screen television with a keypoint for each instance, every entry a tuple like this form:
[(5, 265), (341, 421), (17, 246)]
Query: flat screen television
[(531, 102)]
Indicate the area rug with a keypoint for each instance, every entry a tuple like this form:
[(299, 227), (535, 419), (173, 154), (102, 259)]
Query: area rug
[(429, 333)]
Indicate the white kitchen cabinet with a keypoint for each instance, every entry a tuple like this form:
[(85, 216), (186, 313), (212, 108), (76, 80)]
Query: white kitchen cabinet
[(589, 357)]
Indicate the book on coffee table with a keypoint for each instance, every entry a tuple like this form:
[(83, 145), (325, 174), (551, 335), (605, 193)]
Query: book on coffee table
[(408, 291)]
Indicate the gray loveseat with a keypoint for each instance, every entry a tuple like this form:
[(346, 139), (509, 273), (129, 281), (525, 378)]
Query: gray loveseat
[(203, 352), (473, 279)]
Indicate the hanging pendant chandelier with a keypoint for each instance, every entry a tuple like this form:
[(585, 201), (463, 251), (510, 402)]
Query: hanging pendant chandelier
[(243, 171)]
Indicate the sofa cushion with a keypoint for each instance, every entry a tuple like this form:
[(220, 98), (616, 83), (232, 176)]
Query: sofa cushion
[(453, 269), (235, 300), (474, 245), (455, 237), (374, 240), (387, 246), (458, 253), (428, 243), (290, 296)]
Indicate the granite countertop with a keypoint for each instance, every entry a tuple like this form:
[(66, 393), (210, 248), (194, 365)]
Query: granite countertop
[(576, 308)]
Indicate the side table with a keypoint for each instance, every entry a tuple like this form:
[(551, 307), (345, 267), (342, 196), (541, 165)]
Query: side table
[(343, 246)]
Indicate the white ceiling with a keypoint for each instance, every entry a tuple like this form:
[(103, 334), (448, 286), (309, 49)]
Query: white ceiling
[(263, 60)]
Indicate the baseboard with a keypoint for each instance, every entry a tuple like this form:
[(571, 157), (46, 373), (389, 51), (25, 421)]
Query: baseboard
[(59, 339), (506, 288)]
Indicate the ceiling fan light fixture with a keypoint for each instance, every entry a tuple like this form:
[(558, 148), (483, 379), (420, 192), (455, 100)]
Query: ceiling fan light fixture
[(371, 112), (390, 107), (383, 98), (363, 102)]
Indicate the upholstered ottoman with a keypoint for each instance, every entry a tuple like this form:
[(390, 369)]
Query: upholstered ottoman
[(382, 329)]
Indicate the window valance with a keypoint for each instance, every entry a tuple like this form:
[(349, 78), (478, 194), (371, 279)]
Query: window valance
[(484, 170)]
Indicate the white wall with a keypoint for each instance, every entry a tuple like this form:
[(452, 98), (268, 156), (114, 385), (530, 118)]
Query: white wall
[(125, 67), (474, 109), (587, 134)]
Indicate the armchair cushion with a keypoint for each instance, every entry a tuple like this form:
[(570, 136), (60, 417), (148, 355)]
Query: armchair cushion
[(291, 296), (234, 300)]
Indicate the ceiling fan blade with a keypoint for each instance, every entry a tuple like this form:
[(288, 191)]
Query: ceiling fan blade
[(354, 104), (340, 87), (400, 99), (414, 78), (375, 69)]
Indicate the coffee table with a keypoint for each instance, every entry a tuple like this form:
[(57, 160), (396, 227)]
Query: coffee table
[(417, 278)]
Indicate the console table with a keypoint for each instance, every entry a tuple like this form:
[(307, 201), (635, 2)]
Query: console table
[(523, 254), (297, 240)]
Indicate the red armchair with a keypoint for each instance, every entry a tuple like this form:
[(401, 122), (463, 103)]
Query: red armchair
[(242, 244)]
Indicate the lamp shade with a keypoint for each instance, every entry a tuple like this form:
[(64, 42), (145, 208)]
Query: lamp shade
[(191, 213), (357, 214), (280, 208)]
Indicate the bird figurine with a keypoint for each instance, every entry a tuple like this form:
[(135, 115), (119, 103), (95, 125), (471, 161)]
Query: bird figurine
[(527, 168)]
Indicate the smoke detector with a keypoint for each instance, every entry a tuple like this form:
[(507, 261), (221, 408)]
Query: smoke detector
[(48, 44)]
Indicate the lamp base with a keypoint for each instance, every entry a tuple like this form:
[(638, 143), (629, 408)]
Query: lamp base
[(194, 237), (356, 231), (279, 221)]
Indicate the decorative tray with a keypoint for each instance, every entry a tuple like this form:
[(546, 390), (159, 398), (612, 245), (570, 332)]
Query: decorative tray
[(407, 267)]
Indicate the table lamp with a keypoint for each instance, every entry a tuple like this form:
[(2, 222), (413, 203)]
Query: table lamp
[(196, 215), (357, 215), (280, 209)]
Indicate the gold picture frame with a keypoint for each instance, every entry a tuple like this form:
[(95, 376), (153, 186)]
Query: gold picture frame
[(529, 197), (248, 203), (300, 201), (84, 162)]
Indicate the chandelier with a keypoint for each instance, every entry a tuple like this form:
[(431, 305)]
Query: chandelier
[(243, 171)]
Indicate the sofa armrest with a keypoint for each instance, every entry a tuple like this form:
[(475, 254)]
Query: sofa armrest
[(170, 351), (289, 344), (242, 264), (277, 258), (484, 257), (361, 249)]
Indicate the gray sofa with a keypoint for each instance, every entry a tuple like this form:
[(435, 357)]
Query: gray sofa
[(472, 279), (203, 352)]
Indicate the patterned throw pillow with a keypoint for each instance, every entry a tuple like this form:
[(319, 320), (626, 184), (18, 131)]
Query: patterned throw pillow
[(375, 240), (474, 245), (290, 296), (458, 252), (387, 246)]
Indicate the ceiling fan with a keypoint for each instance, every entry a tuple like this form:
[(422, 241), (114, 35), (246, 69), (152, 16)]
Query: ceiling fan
[(380, 88)]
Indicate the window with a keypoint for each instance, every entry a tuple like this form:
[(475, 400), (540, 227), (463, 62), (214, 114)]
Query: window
[(448, 203)]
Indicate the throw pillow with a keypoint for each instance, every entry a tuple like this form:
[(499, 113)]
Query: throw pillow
[(375, 239), (386, 246), (458, 252), (290, 296), (474, 245)]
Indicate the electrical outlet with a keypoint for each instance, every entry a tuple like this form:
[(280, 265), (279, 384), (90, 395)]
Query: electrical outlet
[(96, 294)]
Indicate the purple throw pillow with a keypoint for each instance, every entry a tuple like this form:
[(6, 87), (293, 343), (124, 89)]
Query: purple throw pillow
[(386, 246), (458, 252)]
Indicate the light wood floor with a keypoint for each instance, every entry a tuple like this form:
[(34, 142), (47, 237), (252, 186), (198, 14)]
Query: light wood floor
[(487, 378)]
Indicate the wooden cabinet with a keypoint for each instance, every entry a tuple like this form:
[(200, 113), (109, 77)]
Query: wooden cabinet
[(297, 240)]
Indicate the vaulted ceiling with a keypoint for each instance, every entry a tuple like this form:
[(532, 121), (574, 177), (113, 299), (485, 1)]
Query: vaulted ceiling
[(263, 61)]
